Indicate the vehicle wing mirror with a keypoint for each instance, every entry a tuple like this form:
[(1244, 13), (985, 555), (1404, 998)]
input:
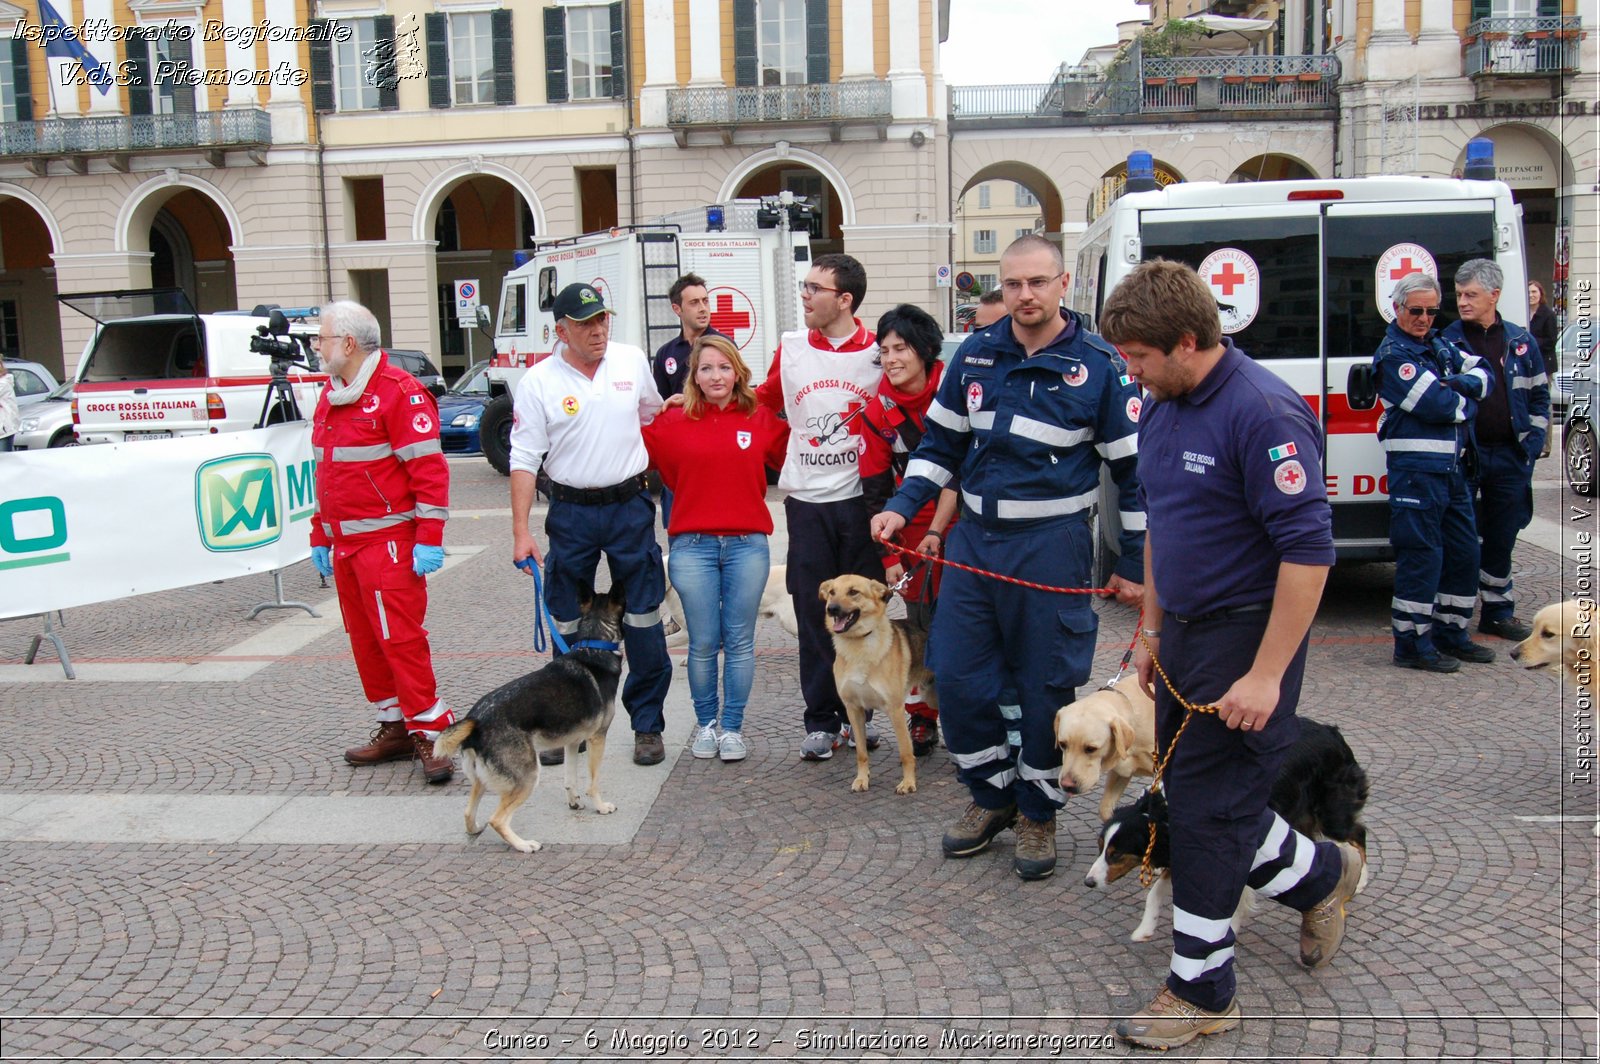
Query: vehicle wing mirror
[(437, 388), (484, 321), (1361, 389)]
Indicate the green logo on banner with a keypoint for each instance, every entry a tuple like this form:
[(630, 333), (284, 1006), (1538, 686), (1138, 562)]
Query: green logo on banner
[(237, 502)]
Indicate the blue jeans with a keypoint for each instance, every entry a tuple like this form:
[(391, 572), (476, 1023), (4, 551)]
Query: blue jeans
[(720, 580)]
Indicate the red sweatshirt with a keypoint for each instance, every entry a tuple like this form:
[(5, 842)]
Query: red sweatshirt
[(716, 467)]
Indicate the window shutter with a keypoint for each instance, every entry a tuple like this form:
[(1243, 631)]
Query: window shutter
[(1549, 8), (438, 30), (555, 55), (389, 80), (816, 42), (505, 82), (136, 48), (322, 97), (182, 94), (21, 85), (619, 55), (744, 43), (1481, 9)]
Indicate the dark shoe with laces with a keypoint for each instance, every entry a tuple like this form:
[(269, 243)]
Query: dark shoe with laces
[(976, 829), (648, 749), (434, 769), (389, 742), (1512, 628), (1436, 663), (557, 755), (1036, 848), (1476, 653)]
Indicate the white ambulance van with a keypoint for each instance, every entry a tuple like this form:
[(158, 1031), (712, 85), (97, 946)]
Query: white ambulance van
[(752, 254), (1302, 272), (155, 369)]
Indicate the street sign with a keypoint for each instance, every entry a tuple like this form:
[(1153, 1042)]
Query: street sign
[(964, 281), (467, 300), (941, 276)]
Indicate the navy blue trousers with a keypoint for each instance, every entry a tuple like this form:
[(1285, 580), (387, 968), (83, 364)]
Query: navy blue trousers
[(990, 636), (1224, 835), (625, 532), (1435, 542), (1502, 501), (826, 539)]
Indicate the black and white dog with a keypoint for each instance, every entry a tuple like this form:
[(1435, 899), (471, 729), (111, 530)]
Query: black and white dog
[(1320, 791)]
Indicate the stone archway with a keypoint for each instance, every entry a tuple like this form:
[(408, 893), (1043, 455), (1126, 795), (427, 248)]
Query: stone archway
[(193, 227), (1271, 166), (998, 203), (30, 326)]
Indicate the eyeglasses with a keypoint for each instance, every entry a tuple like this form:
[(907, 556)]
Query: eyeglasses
[(316, 341), (1422, 312), (811, 288), (1014, 285)]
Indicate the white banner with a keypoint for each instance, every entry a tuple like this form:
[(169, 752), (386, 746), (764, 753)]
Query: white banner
[(102, 522)]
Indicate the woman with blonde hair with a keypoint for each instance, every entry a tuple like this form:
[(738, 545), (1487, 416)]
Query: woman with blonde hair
[(712, 453)]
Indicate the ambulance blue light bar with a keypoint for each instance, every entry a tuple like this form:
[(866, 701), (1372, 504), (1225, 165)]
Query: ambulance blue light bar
[(1141, 172), (1480, 160)]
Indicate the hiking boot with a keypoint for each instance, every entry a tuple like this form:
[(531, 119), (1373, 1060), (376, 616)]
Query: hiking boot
[(434, 769), (819, 746), (1513, 628), (730, 747), (705, 742), (1035, 857), (648, 749), (1322, 925), (557, 755), (976, 829), (924, 735), (1169, 1022), (873, 736), (1476, 653), (389, 742), (1435, 663)]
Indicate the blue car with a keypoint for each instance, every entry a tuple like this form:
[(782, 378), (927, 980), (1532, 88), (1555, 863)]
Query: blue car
[(460, 407)]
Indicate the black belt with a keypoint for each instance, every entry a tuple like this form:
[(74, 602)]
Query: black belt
[(597, 496), (1226, 611)]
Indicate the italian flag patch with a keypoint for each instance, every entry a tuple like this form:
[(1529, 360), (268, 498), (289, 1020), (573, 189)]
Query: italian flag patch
[(1282, 451)]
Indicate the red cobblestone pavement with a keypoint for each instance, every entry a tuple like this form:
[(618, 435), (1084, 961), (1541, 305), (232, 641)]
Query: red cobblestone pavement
[(762, 897)]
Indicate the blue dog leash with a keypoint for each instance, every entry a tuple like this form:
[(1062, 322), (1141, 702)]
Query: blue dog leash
[(542, 620), (541, 616)]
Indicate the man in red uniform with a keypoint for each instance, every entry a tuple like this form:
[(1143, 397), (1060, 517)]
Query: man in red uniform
[(383, 492)]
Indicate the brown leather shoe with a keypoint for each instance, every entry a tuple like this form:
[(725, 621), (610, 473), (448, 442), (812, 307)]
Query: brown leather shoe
[(434, 769), (648, 749), (389, 742)]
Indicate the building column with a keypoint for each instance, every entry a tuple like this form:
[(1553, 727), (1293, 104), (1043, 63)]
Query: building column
[(856, 22), (1391, 55), (660, 63), (291, 123), (705, 42), (907, 87), (238, 57), (1438, 45)]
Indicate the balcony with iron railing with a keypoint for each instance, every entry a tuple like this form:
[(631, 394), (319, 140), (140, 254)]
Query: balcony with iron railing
[(75, 140), (1522, 47), (1140, 85), (836, 104)]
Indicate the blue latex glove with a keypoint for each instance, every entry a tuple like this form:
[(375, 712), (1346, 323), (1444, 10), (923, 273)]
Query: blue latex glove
[(322, 558), (426, 559)]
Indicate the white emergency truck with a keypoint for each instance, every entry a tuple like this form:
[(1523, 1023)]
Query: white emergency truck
[(156, 369), (1302, 272), (752, 254)]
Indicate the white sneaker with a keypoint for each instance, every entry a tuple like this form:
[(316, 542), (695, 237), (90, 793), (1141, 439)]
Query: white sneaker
[(731, 747), (705, 742)]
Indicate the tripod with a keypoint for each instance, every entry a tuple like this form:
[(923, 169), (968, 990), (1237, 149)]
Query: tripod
[(279, 397)]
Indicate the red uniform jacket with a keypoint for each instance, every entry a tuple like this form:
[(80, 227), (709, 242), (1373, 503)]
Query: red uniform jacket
[(380, 469)]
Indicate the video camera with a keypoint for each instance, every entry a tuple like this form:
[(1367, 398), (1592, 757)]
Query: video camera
[(274, 341)]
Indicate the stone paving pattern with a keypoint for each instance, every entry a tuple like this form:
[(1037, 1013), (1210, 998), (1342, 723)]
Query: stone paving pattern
[(761, 896)]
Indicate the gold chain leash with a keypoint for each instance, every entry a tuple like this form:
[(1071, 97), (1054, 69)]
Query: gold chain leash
[(1147, 874)]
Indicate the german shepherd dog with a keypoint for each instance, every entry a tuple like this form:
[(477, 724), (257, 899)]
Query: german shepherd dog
[(876, 660), (565, 703)]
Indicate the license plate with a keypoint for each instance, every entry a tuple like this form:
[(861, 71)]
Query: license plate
[(133, 437)]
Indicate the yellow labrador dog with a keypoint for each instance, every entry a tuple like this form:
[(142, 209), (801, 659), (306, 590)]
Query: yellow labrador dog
[(1563, 636), (1111, 733), (875, 661)]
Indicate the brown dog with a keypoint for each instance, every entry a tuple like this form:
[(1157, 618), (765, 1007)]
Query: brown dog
[(1110, 732), (875, 661), (1563, 636)]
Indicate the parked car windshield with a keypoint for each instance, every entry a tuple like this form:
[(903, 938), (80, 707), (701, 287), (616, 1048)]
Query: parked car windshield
[(473, 382)]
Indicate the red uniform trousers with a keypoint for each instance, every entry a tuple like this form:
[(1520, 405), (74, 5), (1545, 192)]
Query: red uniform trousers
[(384, 603)]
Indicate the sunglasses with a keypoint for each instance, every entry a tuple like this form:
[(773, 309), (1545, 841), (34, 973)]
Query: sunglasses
[(1422, 312)]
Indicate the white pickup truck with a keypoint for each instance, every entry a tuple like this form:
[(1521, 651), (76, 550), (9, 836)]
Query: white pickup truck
[(156, 369)]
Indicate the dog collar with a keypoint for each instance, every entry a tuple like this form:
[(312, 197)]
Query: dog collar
[(597, 644)]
